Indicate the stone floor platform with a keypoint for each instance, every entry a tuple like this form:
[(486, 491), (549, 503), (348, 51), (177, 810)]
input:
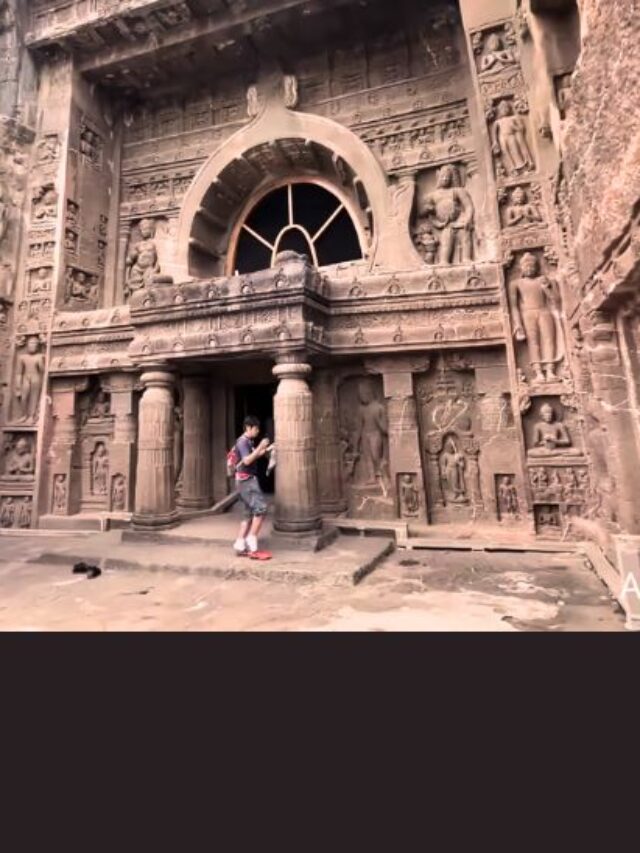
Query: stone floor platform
[(343, 563)]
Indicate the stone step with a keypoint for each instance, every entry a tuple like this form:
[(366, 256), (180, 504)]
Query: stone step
[(343, 563)]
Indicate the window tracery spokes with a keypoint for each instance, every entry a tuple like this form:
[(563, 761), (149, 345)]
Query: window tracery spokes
[(299, 216)]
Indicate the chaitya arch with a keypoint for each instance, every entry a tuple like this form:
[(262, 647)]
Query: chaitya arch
[(308, 149)]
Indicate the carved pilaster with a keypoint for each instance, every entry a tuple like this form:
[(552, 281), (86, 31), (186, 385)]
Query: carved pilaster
[(123, 446), (196, 465), (155, 477), (329, 462), (297, 508), (404, 445), (61, 494)]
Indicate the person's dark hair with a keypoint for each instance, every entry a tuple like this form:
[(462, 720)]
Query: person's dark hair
[(250, 421)]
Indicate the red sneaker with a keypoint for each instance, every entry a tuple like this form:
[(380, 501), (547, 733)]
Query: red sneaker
[(260, 555)]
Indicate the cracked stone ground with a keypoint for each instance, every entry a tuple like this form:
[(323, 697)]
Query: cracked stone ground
[(410, 591)]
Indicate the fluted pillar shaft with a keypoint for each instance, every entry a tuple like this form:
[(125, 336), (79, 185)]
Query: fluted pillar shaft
[(155, 499), (196, 466), (297, 508)]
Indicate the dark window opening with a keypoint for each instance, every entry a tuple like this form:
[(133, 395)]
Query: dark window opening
[(302, 217)]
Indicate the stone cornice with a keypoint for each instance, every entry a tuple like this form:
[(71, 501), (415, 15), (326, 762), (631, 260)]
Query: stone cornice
[(289, 307)]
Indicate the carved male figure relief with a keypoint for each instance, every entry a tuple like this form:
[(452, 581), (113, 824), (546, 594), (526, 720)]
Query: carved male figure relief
[(453, 473), (509, 140), (520, 211), (20, 461), (29, 380), (550, 436), (409, 497), (533, 298), (372, 433), (449, 209), (142, 261)]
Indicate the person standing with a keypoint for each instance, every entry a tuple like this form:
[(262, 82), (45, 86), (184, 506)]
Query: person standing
[(246, 476)]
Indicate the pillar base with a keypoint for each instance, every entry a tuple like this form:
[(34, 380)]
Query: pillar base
[(194, 503), (155, 522), (314, 540)]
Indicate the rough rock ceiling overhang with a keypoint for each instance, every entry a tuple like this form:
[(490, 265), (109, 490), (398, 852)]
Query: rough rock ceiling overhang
[(161, 45)]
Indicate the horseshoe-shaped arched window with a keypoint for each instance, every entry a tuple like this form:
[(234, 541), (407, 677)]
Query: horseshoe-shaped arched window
[(300, 216)]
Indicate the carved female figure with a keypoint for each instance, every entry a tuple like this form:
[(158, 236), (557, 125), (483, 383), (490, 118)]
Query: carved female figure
[(59, 493), (509, 139), (100, 469)]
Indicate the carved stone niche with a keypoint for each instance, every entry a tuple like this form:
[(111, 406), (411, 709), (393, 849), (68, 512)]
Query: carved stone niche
[(552, 431), (91, 144), (408, 492), (446, 398), (495, 49), (39, 280), (44, 204), (94, 405), (548, 521), (18, 462), (444, 222), (509, 131), (364, 439), (16, 511), (81, 289), (521, 207), (507, 502), (536, 321), (28, 379), (142, 265)]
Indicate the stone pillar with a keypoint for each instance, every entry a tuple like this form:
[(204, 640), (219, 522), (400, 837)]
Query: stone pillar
[(155, 495), (123, 446), (328, 455), (404, 446), (196, 466), (297, 510)]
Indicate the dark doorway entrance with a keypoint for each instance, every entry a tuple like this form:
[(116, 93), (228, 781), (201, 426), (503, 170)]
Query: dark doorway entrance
[(257, 400)]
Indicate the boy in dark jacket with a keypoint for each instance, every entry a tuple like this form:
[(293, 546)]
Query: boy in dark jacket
[(255, 505)]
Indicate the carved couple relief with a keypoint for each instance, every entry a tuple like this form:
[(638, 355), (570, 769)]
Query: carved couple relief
[(444, 231), (16, 512)]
